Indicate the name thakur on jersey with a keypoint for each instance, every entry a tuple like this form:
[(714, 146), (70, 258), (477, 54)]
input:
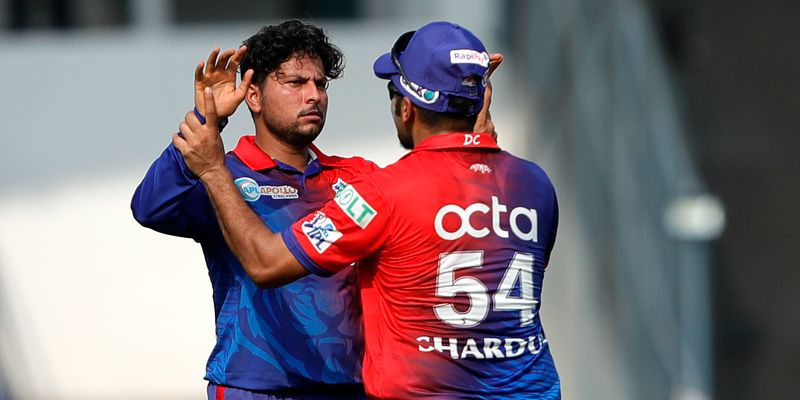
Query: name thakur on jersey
[(482, 348)]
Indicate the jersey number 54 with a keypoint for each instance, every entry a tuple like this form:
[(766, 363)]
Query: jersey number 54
[(520, 271)]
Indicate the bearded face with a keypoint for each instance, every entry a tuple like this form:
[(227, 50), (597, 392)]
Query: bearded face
[(295, 101)]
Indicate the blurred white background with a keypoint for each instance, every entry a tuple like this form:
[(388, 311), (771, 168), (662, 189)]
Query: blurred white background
[(93, 306)]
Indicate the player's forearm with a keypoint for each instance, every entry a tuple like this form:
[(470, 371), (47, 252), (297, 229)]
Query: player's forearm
[(255, 245)]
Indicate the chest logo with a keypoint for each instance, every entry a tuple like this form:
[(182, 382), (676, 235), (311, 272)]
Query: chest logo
[(251, 191)]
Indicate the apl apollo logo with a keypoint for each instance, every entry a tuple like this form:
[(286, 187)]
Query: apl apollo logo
[(251, 191)]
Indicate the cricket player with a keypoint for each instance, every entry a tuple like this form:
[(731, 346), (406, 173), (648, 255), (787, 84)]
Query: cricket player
[(453, 239), (299, 341)]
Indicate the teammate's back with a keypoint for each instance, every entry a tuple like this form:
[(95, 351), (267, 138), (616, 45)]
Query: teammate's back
[(460, 274)]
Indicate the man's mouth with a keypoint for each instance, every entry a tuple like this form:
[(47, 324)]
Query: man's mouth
[(314, 112)]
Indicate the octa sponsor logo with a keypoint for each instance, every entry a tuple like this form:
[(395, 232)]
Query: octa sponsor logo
[(498, 211)]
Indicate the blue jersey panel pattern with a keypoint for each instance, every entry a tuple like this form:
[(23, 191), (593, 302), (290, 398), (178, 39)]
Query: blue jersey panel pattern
[(301, 335)]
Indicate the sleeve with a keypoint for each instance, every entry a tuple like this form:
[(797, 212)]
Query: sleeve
[(551, 242), (348, 228), (171, 200)]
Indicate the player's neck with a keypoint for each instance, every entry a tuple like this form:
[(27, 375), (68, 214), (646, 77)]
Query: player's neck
[(297, 157), (424, 131)]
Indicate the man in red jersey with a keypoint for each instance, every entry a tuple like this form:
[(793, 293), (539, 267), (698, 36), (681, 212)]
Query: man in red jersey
[(453, 238)]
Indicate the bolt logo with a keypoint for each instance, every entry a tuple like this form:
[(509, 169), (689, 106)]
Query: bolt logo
[(248, 188), (498, 210), (351, 202)]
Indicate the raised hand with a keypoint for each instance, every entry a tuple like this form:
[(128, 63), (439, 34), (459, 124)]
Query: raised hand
[(484, 122), (200, 144), (219, 73)]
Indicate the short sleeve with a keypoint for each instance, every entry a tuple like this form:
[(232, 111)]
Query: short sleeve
[(350, 227)]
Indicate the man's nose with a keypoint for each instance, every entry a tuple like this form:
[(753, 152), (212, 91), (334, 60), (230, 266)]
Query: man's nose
[(312, 92)]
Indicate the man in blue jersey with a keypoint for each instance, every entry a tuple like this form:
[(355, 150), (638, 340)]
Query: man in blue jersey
[(300, 341)]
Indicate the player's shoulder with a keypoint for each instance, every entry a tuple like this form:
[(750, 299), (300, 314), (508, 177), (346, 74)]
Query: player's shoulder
[(525, 166), (355, 165), (354, 161)]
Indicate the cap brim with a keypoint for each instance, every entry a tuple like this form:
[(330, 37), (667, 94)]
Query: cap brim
[(384, 68)]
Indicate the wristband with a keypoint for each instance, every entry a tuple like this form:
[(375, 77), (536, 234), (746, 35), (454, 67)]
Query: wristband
[(222, 123)]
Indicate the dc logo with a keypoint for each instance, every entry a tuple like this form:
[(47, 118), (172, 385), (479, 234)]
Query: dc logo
[(471, 139), (248, 188)]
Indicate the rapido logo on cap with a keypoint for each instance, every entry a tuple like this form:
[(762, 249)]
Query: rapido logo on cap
[(439, 62), (469, 57)]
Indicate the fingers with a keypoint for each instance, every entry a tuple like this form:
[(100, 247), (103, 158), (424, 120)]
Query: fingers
[(186, 132), (227, 61), (191, 128), (237, 58), (179, 142), (190, 123), (495, 60), (248, 78), (212, 60), (181, 138), (211, 108), (198, 72), (484, 121), (487, 95), (222, 61)]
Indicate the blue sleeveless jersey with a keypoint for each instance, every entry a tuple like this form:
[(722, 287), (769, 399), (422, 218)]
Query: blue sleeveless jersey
[(301, 335)]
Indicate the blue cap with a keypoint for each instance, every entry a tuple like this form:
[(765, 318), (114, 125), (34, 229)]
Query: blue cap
[(438, 61)]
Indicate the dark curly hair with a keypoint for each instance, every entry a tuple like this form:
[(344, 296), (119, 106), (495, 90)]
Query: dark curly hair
[(272, 45)]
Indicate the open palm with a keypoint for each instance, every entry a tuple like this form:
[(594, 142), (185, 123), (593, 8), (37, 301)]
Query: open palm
[(219, 73)]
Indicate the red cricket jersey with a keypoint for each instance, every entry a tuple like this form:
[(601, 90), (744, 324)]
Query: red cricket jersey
[(452, 242)]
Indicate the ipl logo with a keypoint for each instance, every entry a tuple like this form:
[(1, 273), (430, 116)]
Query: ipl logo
[(321, 232)]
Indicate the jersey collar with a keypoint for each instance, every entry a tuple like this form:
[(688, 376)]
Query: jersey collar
[(461, 140), (256, 159)]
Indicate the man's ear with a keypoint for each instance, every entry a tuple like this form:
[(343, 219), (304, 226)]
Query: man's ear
[(253, 98), (407, 112)]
